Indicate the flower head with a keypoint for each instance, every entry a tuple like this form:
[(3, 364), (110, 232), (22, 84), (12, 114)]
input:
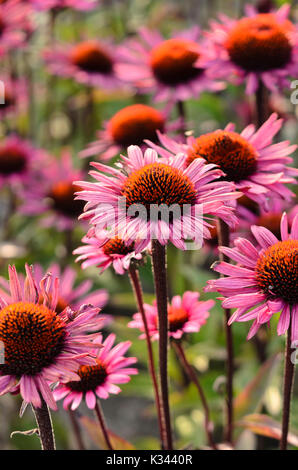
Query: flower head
[(186, 314), (105, 252), (89, 62), (169, 67), (50, 346), (99, 380), (19, 161), (52, 193), (14, 97), (15, 24), (265, 279), (69, 295), (249, 159), (82, 5), (129, 200), (129, 126), (258, 47)]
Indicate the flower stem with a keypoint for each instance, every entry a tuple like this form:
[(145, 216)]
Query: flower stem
[(76, 429), (160, 279), (262, 104), (182, 116), (45, 426), (102, 423), (193, 377), (137, 288), (288, 385), (224, 240)]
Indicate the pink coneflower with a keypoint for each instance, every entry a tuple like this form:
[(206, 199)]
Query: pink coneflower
[(249, 159), (129, 126), (50, 346), (15, 24), (14, 98), (124, 199), (99, 380), (89, 62), (69, 296), (269, 218), (82, 5), (259, 47), (171, 68), (265, 279), (18, 160), (186, 314), (105, 252), (52, 193)]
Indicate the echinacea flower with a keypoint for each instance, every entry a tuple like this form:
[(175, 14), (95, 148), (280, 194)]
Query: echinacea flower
[(129, 126), (69, 296), (99, 380), (128, 200), (15, 24), (265, 280), (269, 218), (169, 67), (13, 96), (19, 160), (52, 193), (82, 5), (89, 62), (42, 346), (260, 47), (105, 252), (249, 159), (186, 314)]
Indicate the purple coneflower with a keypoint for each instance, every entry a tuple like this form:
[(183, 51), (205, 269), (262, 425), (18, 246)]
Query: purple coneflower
[(99, 380), (51, 346), (171, 68), (264, 282)]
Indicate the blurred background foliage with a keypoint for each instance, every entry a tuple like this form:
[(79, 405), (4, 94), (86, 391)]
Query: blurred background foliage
[(65, 114)]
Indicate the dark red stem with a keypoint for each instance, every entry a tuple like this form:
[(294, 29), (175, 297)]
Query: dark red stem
[(137, 288), (160, 280)]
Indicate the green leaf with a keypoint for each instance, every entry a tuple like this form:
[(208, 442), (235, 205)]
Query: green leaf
[(96, 435), (251, 398), (264, 425)]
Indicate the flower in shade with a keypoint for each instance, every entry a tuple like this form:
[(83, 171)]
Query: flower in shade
[(259, 47), (50, 346), (18, 161), (128, 200), (265, 280), (249, 159), (99, 380), (83, 5), (171, 68), (13, 97), (129, 126), (52, 193), (186, 314), (89, 62), (15, 24), (269, 219), (105, 252), (69, 296)]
